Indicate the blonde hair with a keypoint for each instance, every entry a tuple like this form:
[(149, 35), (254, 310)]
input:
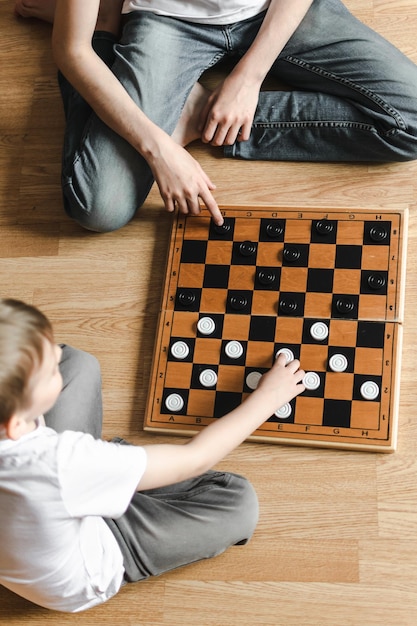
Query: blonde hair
[(23, 329)]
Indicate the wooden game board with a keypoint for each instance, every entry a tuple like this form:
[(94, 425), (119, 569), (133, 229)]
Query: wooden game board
[(264, 279)]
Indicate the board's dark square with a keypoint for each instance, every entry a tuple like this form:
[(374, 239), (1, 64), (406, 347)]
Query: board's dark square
[(190, 343), (226, 360), (307, 338), (345, 306), (224, 232), (291, 304), (187, 299), (336, 413), (358, 381), (216, 276), (319, 392), (370, 335), (348, 257), (348, 352), (323, 231), (267, 278), (320, 280), (295, 254), (193, 251), (197, 369), (225, 402), (244, 252), (239, 301), (183, 393), (272, 229), (262, 328), (218, 319), (377, 233), (284, 420), (374, 282)]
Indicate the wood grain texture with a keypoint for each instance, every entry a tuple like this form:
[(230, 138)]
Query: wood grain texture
[(336, 542)]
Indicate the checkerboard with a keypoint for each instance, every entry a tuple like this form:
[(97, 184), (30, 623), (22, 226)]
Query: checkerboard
[(327, 287)]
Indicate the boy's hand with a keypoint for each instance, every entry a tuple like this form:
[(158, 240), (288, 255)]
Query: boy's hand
[(281, 384), (172, 463), (229, 112), (182, 182)]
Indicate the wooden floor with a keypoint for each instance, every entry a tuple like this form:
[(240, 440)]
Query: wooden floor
[(337, 539)]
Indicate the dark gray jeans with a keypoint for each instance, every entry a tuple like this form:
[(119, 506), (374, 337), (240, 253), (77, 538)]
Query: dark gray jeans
[(162, 528)]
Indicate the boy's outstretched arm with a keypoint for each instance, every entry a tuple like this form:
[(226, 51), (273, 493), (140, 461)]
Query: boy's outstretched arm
[(229, 112), (180, 178), (169, 464)]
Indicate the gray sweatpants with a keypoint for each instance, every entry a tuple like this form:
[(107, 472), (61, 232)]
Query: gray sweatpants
[(167, 527)]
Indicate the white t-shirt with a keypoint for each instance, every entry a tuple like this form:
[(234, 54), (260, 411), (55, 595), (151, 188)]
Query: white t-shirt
[(200, 11), (56, 550)]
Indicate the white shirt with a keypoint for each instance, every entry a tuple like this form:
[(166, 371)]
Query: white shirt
[(56, 550), (200, 11)]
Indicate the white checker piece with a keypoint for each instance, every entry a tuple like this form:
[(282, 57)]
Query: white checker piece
[(174, 402), (319, 331), (206, 326), (234, 349), (338, 363), (289, 354), (284, 412), (252, 379), (311, 381), (208, 378), (369, 390), (180, 350)]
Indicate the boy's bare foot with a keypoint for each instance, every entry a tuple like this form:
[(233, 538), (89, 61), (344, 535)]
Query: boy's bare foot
[(186, 130), (41, 9)]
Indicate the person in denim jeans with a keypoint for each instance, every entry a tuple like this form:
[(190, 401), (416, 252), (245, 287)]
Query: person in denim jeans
[(350, 96)]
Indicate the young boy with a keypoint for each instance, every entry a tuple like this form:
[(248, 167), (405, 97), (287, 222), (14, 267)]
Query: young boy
[(80, 516)]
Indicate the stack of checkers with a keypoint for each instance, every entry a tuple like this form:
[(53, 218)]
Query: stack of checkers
[(325, 288)]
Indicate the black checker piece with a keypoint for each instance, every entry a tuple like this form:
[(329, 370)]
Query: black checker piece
[(377, 233), (272, 230), (291, 304), (345, 306), (374, 282), (295, 255), (323, 231), (244, 253), (224, 232), (188, 299), (268, 278), (239, 301)]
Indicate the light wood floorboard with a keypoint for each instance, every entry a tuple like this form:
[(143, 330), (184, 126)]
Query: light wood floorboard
[(337, 542)]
